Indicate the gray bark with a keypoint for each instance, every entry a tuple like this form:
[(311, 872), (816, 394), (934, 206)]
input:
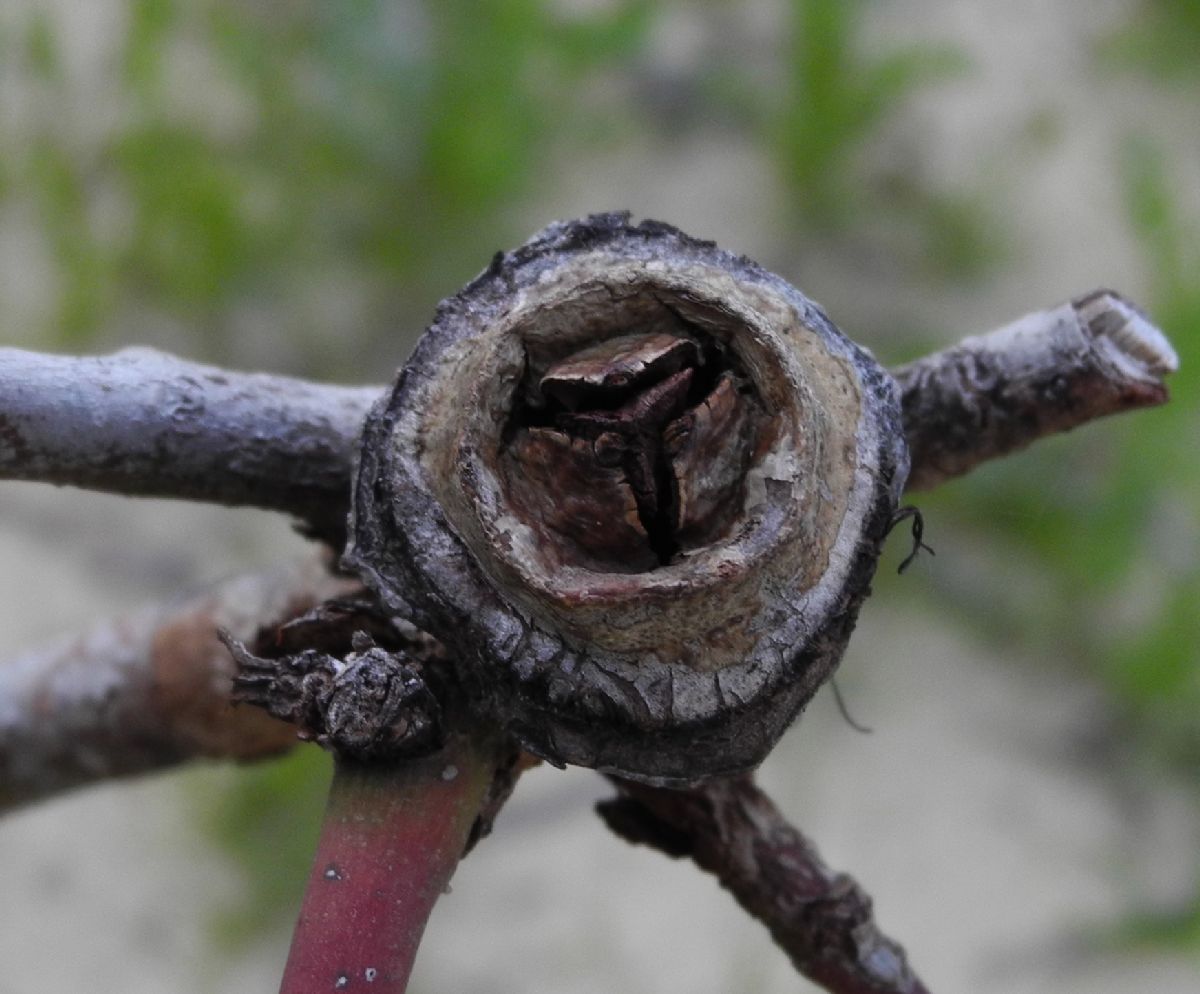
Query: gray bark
[(1045, 373), (145, 423), (823, 920), (145, 692)]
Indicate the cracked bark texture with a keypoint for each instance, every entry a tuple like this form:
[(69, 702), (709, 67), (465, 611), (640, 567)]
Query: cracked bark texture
[(671, 674), (823, 920)]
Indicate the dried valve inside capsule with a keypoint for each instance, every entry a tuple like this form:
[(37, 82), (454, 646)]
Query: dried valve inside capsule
[(631, 451)]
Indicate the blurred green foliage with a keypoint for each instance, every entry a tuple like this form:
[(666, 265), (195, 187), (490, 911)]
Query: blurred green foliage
[(833, 99), (1097, 535), (320, 173), (818, 108), (1154, 665), (261, 152), (1161, 37), (267, 817)]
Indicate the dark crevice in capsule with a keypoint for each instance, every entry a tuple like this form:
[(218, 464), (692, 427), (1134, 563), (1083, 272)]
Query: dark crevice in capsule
[(628, 401)]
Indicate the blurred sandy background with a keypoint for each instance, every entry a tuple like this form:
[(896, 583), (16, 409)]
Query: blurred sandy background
[(293, 184)]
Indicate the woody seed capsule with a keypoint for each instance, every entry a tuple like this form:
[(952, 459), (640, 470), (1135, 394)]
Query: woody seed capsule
[(638, 486)]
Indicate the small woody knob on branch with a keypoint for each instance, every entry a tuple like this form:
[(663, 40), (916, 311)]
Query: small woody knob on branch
[(638, 487)]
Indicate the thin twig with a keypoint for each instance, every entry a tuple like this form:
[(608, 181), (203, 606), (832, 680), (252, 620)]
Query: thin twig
[(821, 919), (144, 423), (145, 692), (1048, 372)]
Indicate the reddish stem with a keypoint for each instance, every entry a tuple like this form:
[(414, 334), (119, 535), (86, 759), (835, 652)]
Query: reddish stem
[(391, 839)]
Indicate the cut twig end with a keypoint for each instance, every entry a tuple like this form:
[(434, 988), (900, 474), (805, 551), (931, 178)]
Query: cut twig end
[(1047, 372), (1136, 343)]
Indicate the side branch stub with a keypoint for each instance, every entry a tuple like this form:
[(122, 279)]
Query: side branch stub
[(1048, 372)]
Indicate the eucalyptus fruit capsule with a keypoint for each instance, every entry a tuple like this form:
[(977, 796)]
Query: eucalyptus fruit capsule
[(638, 486)]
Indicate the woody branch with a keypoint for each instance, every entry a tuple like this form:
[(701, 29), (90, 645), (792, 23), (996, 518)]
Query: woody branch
[(142, 423), (145, 423)]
